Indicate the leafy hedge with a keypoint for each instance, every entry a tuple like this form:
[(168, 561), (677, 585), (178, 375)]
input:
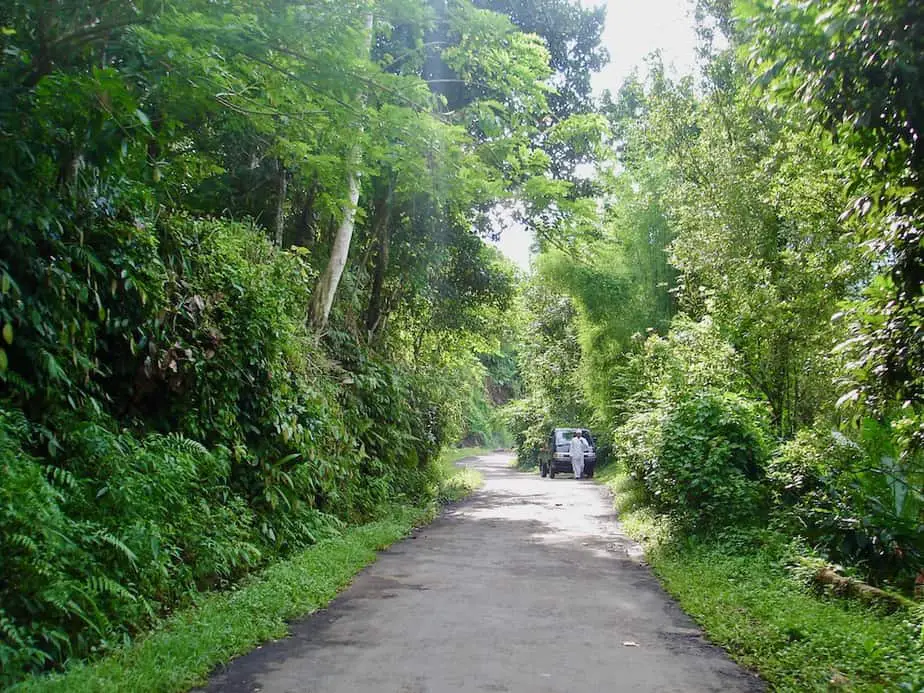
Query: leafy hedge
[(850, 501), (705, 457), (107, 536)]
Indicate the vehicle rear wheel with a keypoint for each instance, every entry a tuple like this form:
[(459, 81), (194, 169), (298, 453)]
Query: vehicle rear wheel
[(589, 473), (551, 471)]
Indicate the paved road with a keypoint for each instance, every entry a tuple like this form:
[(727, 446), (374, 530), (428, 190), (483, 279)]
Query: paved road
[(529, 586)]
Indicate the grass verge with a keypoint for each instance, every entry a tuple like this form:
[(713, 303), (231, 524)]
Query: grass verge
[(740, 589), (183, 651), (458, 482)]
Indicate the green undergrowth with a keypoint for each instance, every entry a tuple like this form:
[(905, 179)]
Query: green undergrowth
[(194, 641), (741, 589), (458, 482), (222, 625)]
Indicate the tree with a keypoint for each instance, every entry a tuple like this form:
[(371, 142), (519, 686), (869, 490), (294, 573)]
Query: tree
[(572, 34), (850, 69), (340, 248)]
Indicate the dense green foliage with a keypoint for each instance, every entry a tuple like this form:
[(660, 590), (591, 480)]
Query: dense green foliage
[(550, 354), (270, 447), (245, 296), (850, 69), (705, 466), (741, 321)]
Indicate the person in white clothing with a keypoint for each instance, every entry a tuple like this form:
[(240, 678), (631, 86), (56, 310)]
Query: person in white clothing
[(576, 449)]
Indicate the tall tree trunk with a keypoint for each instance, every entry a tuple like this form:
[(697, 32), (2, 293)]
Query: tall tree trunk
[(280, 224), (382, 231), (329, 280)]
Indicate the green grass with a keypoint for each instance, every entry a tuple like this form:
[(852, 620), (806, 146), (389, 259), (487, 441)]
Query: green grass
[(191, 643), (740, 590), (458, 482)]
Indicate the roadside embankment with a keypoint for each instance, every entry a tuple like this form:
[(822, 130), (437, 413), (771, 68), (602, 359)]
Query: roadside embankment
[(189, 644)]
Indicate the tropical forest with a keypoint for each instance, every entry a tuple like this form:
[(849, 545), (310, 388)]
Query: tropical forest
[(257, 319)]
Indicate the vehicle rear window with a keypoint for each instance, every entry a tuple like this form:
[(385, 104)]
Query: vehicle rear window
[(563, 436)]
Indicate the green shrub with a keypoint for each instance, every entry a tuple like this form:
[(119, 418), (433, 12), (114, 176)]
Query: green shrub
[(708, 471), (637, 443), (530, 425), (693, 357), (185, 432), (97, 541), (37, 543)]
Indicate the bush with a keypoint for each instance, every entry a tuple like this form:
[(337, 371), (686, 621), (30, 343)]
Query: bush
[(692, 358), (638, 442), (37, 541), (103, 537), (530, 424), (702, 460)]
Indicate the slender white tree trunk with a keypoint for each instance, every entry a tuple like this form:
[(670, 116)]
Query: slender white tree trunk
[(327, 284)]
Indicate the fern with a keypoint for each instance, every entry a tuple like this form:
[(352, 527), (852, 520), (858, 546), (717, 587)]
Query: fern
[(14, 423), (61, 477), (180, 443), (113, 541), (100, 584), (21, 540), (10, 631)]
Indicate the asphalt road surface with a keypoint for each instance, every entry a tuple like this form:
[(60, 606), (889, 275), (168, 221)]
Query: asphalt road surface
[(528, 586)]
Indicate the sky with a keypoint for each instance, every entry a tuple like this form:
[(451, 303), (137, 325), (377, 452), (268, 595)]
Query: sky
[(634, 28)]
